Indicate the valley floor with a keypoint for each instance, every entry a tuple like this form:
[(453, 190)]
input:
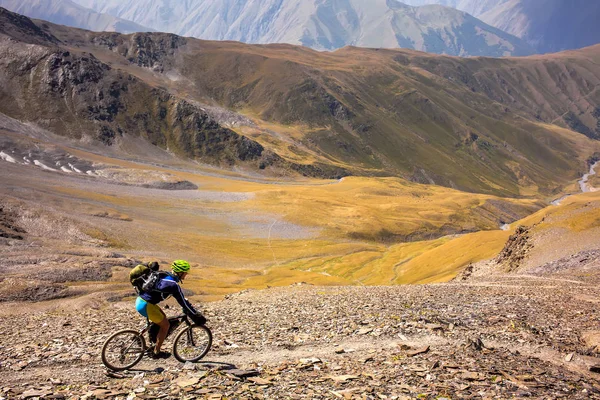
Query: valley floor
[(494, 338)]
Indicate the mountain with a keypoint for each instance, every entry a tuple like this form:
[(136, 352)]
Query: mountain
[(549, 25), (502, 126), (66, 12), (161, 15), (473, 7), (76, 95), (323, 25)]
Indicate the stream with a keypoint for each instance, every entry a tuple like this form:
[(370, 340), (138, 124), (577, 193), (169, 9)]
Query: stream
[(583, 185)]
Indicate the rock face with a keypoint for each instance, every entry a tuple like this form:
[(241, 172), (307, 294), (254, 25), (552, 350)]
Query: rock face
[(8, 226)]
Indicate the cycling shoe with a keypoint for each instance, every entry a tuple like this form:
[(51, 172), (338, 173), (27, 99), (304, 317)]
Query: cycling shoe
[(160, 355)]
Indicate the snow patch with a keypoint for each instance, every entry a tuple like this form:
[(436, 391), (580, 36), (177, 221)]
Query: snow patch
[(6, 157), (43, 166), (73, 167)]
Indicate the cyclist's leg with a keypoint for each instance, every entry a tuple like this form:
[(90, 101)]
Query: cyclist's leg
[(156, 315)]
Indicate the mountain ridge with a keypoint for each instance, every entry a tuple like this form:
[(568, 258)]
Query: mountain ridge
[(70, 13), (476, 124), (548, 26), (552, 26), (326, 25)]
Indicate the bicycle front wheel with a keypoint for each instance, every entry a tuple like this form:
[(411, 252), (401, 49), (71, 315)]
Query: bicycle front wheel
[(192, 344), (123, 350)]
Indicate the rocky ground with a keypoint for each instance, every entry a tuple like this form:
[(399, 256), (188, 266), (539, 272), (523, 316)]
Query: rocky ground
[(498, 338)]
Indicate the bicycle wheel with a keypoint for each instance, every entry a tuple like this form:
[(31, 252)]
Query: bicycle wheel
[(123, 350), (192, 344)]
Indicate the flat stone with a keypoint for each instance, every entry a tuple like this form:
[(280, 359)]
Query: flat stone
[(34, 393), (418, 351), (243, 373), (260, 381), (188, 366), (472, 376), (100, 393), (313, 360), (343, 378), (185, 382)]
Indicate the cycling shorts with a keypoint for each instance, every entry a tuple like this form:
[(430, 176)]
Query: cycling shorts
[(150, 311)]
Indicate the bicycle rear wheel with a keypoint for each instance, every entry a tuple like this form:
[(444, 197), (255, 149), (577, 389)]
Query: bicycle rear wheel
[(123, 350), (192, 344)]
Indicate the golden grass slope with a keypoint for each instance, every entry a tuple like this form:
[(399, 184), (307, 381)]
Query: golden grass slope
[(557, 231), (255, 233), (252, 233)]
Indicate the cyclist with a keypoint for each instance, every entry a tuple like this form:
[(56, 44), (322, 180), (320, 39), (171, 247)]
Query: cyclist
[(167, 285)]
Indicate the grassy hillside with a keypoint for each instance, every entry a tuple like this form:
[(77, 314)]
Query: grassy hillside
[(480, 125), (243, 233), (255, 233)]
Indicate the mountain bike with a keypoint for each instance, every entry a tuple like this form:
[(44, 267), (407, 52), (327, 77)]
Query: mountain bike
[(125, 348)]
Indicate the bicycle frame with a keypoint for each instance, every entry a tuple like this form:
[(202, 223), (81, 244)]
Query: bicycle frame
[(179, 318), (174, 323)]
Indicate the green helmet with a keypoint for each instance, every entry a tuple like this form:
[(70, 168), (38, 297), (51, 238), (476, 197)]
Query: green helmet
[(180, 266)]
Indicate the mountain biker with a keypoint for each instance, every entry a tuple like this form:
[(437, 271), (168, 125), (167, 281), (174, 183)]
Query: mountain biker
[(167, 285)]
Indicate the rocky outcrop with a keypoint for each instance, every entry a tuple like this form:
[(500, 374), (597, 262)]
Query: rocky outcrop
[(515, 250), (309, 102), (149, 50), (201, 136)]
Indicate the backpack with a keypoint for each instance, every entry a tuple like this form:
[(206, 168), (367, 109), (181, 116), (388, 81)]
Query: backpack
[(144, 276)]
